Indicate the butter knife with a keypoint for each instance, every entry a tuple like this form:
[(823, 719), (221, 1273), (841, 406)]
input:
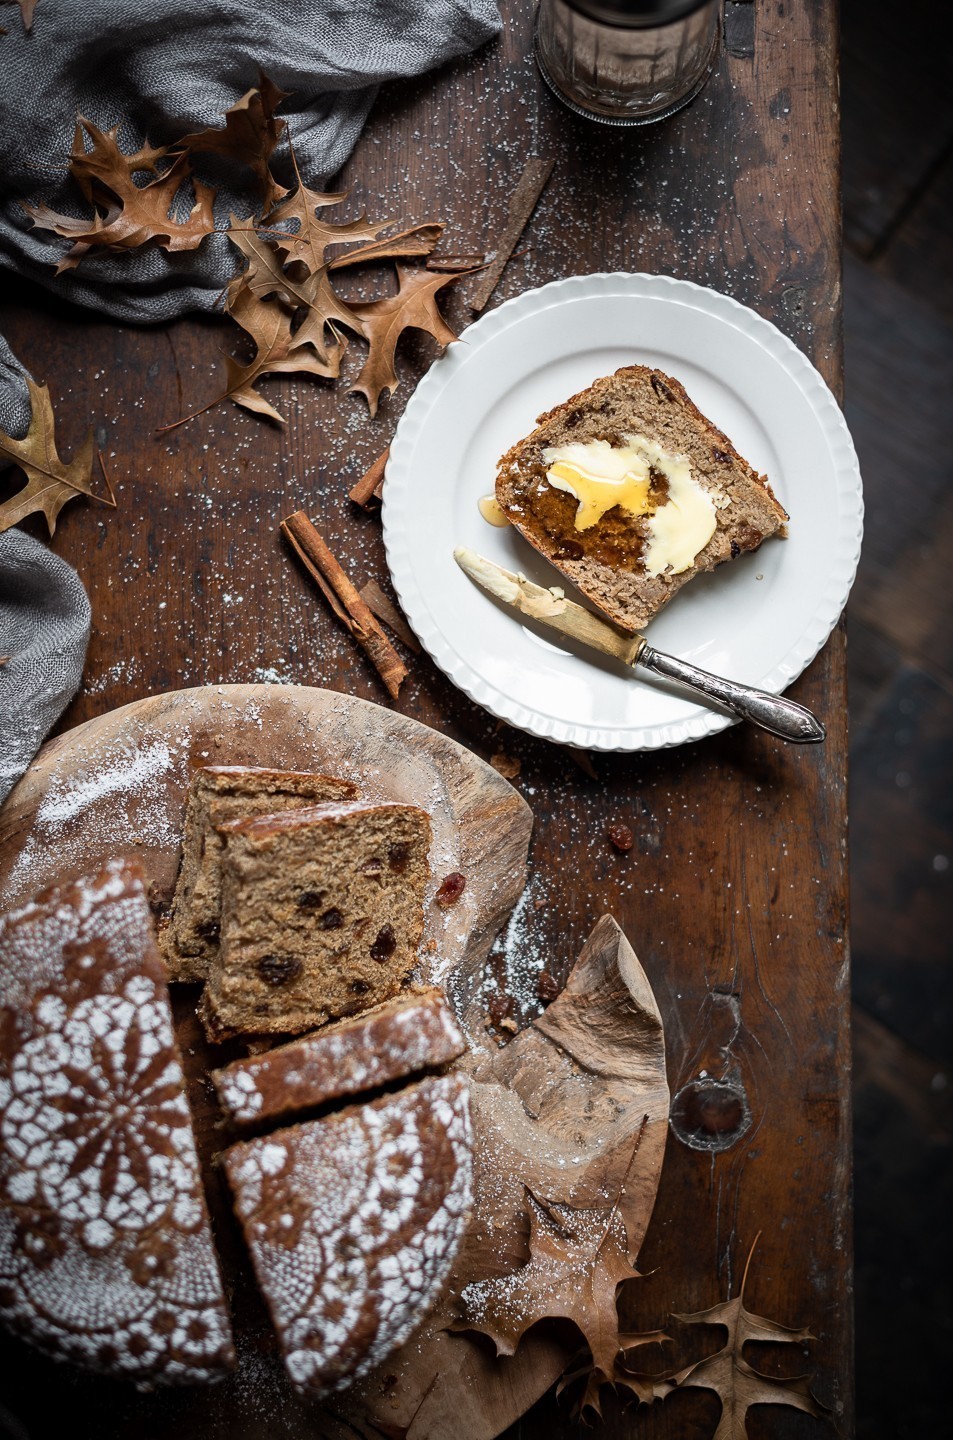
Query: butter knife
[(551, 608)]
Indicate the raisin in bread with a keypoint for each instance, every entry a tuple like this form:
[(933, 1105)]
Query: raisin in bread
[(353, 1224), (322, 913), (414, 1031), (691, 501), (106, 1253), (219, 793)]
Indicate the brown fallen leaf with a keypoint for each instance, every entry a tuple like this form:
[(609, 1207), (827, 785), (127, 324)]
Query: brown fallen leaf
[(278, 351), (104, 163), (251, 135), (27, 8), (134, 214), (733, 1379), (578, 1259), (385, 320), (310, 241), (645, 1389), (265, 276), (129, 215), (51, 482)]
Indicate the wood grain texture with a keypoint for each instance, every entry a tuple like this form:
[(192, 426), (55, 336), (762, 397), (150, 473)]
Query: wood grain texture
[(734, 894)]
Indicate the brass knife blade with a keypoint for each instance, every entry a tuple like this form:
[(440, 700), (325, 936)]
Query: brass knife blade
[(549, 607)]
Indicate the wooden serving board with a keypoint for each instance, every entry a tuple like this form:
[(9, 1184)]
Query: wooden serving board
[(116, 787), (552, 1111)]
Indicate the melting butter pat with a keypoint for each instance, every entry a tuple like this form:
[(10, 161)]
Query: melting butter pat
[(600, 476)]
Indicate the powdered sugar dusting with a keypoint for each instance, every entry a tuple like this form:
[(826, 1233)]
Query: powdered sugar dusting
[(120, 802), (352, 1238), (63, 802), (106, 1257), (386, 1044)]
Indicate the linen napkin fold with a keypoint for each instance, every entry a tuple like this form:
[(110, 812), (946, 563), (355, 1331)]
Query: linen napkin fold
[(44, 631)]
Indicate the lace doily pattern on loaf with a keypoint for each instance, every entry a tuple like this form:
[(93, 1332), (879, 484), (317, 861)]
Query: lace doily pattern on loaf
[(353, 1224), (106, 1254)]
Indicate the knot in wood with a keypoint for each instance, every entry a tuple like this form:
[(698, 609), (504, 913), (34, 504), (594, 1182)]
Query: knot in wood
[(710, 1114)]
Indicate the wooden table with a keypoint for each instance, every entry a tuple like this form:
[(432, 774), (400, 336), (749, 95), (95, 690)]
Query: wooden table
[(735, 895)]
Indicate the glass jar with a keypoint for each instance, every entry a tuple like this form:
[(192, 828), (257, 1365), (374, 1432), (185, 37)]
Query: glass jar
[(626, 62)]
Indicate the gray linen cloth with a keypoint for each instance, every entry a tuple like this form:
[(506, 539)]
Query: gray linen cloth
[(162, 68), (44, 630), (159, 69)]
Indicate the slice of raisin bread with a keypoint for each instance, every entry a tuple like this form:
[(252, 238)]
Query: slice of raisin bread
[(414, 1031), (106, 1253), (353, 1223), (322, 913), (691, 501), (219, 793)]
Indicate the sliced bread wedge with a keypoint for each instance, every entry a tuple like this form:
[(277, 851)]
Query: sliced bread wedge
[(630, 492)]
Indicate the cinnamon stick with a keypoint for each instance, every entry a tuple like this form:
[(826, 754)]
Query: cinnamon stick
[(344, 599), (455, 262), (529, 187), (381, 605), (370, 485)]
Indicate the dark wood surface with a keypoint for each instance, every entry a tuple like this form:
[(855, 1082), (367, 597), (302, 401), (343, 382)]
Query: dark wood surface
[(735, 893)]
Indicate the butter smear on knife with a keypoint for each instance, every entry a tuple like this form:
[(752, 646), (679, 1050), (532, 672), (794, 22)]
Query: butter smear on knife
[(512, 589)]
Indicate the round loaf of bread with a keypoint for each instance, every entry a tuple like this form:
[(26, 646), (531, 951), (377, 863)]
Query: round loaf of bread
[(353, 1223), (106, 1253)]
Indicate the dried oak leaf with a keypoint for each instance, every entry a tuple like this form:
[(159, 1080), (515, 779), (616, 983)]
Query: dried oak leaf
[(733, 1379), (251, 135), (51, 482), (278, 351), (313, 236), (645, 1389), (104, 163), (384, 321), (134, 214), (578, 1258), (265, 276)]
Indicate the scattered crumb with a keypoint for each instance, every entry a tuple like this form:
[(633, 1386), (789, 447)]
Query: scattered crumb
[(506, 765)]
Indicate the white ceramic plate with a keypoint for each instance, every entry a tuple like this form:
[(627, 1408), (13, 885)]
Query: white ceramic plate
[(760, 619)]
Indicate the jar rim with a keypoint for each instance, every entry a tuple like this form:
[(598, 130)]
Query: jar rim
[(637, 14)]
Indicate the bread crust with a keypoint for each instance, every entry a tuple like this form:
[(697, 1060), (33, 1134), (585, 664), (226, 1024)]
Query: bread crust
[(106, 1251), (411, 1032), (353, 1223), (605, 562)]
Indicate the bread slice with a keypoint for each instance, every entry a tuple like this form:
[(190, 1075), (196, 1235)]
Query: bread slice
[(353, 1224), (414, 1031), (106, 1252), (219, 793), (621, 561), (322, 913)]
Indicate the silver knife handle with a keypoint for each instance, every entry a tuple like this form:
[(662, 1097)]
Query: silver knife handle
[(772, 712)]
